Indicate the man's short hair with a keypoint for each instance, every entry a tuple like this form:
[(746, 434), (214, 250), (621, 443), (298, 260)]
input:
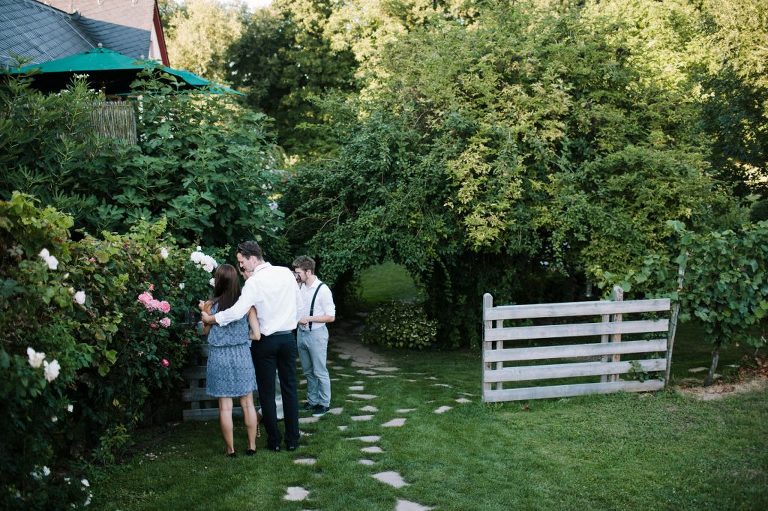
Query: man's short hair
[(249, 249), (306, 263)]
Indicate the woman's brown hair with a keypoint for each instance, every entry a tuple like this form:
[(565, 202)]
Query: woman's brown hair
[(226, 290)]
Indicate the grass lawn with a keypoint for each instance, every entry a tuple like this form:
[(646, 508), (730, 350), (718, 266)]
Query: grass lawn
[(657, 451), (620, 451)]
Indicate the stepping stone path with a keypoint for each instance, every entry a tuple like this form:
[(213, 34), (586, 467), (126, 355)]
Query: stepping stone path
[(295, 493), (391, 478), (463, 400), (394, 423), (370, 365), (407, 505), (369, 438)]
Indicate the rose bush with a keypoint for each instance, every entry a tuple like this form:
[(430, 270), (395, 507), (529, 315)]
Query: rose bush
[(96, 333)]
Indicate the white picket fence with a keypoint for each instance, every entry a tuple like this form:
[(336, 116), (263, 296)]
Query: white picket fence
[(602, 357)]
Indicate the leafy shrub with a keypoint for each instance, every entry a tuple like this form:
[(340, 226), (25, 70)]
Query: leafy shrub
[(400, 325), (95, 336)]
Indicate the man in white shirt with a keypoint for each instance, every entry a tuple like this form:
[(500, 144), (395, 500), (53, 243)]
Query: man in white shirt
[(275, 294), (316, 311)]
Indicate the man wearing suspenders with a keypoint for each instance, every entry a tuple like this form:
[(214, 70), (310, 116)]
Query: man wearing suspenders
[(312, 335)]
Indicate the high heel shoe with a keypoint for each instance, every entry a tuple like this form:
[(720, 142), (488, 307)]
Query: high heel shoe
[(250, 452), (232, 454)]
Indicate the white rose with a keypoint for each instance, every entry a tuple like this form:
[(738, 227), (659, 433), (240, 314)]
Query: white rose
[(35, 358), (85, 483), (199, 248), (52, 262), (212, 282), (51, 370), (181, 285), (164, 253), (70, 408), (44, 254), (54, 419), (46, 471), (80, 297)]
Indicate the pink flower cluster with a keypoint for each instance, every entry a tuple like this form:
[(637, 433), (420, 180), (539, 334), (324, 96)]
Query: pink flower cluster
[(151, 304)]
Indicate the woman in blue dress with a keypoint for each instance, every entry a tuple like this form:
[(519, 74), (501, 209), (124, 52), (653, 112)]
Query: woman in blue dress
[(230, 371)]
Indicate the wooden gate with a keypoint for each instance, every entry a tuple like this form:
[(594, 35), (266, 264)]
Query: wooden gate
[(598, 353)]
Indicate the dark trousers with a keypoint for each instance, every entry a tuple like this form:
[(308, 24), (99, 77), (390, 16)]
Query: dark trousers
[(277, 351)]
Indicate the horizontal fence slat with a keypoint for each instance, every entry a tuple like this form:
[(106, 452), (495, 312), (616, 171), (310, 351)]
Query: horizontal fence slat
[(545, 372), (198, 394), (205, 414), (575, 350), (559, 310), (196, 372), (581, 389), (578, 330)]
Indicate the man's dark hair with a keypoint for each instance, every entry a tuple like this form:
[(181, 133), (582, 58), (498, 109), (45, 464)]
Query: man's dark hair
[(305, 263), (250, 248)]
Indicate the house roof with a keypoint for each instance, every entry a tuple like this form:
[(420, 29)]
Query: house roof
[(43, 30), (121, 25), (38, 33)]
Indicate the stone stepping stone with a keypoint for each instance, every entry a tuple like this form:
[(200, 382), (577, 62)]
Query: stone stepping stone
[(357, 387), (467, 394), (342, 428), (358, 382), (345, 356), (430, 378), (463, 400), (369, 408), (361, 418), (335, 379), (441, 385), (365, 372), (345, 375), (303, 382), (305, 461), (366, 462), (374, 449), (394, 423), (383, 376), (304, 433), (391, 478), (362, 396), (443, 409), (405, 410), (308, 420), (355, 363), (369, 439), (295, 493), (412, 381), (695, 370), (386, 369), (336, 411), (407, 505)]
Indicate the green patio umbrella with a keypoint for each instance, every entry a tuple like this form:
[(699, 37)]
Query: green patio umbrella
[(110, 71)]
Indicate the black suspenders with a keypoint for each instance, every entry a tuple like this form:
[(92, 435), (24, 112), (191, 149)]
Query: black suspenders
[(312, 305)]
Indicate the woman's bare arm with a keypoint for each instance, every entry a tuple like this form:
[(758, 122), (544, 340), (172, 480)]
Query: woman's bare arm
[(253, 323)]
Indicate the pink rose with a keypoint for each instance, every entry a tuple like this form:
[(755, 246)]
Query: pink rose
[(165, 307), (145, 298), (151, 287), (165, 322), (153, 325), (165, 362), (153, 305)]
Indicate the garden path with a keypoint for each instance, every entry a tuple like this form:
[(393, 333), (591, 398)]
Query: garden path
[(349, 359)]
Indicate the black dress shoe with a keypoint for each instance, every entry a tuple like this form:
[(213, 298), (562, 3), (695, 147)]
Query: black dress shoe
[(291, 447), (275, 448)]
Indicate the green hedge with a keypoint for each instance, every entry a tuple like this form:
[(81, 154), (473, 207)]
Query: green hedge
[(400, 325)]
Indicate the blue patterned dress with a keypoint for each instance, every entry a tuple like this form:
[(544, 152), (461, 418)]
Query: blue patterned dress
[(230, 370)]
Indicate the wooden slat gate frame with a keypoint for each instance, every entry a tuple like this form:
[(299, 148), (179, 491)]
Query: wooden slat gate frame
[(202, 407), (608, 351)]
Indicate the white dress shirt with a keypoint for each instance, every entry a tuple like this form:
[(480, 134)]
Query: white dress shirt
[(324, 305), (275, 294)]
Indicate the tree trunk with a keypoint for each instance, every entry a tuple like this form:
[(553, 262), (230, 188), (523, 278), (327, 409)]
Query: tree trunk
[(715, 358)]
